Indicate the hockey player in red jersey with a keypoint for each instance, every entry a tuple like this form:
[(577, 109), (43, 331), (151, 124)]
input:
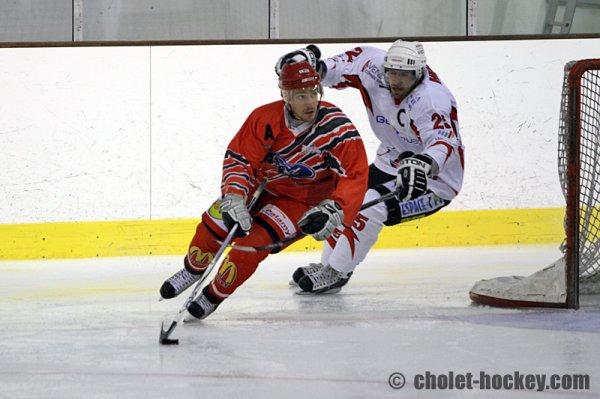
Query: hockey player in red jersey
[(414, 115), (317, 172)]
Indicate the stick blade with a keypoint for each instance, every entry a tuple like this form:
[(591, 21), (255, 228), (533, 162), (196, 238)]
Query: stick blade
[(164, 334)]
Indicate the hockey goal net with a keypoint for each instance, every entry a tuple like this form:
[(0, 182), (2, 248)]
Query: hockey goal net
[(578, 270)]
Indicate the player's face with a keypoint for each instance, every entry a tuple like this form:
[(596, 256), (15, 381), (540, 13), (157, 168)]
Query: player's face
[(304, 103), (400, 82)]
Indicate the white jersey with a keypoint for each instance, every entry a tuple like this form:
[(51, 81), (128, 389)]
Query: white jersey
[(425, 121)]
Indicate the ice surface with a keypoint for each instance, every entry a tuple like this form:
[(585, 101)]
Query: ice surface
[(89, 329)]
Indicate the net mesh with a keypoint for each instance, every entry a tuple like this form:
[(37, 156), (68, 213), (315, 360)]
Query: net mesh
[(548, 287), (589, 197)]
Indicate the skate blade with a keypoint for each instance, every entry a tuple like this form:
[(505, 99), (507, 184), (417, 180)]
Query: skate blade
[(189, 319), (328, 292)]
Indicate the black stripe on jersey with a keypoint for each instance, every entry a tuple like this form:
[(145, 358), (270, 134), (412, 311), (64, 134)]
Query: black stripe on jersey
[(340, 139), (322, 113), (244, 176), (331, 162), (236, 156), (233, 164), (327, 128), (335, 140), (297, 141), (234, 184)]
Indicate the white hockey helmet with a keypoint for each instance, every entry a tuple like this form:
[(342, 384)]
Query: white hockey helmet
[(409, 56)]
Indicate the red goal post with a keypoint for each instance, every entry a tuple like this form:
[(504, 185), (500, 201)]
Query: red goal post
[(560, 284)]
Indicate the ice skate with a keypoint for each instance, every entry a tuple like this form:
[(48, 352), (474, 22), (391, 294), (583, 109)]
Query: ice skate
[(304, 271), (203, 306), (178, 283), (326, 280)]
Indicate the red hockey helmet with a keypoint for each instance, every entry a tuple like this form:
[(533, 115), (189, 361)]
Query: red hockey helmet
[(298, 75)]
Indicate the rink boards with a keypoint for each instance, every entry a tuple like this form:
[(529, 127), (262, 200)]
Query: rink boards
[(171, 237)]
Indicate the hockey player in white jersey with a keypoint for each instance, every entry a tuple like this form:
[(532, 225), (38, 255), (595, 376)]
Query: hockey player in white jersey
[(421, 155)]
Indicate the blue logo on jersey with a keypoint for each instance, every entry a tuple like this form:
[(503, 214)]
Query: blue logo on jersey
[(420, 205), (381, 119), (298, 170)]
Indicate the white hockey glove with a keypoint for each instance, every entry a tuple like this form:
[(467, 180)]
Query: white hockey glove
[(321, 220), (412, 176), (311, 53), (234, 211)]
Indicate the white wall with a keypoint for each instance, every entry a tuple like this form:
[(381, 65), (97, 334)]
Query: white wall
[(138, 132), (74, 130)]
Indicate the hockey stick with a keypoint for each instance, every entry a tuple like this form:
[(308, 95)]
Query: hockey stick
[(279, 244), (164, 334)]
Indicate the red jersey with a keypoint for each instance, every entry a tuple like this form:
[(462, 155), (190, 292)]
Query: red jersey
[(326, 161)]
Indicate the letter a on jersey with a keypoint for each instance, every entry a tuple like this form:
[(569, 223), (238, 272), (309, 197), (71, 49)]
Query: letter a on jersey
[(269, 133)]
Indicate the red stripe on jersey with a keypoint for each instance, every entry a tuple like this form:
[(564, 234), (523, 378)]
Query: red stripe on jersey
[(352, 239), (233, 173), (433, 76), (333, 238), (331, 116), (355, 82), (234, 188), (230, 162), (448, 146), (454, 118), (367, 64), (235, 179), (461, 154), (235, 176), (339, 131), (415, 130)]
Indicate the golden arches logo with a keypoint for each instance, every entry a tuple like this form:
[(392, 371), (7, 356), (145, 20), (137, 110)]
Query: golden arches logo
[(200, 259), (227, 273)]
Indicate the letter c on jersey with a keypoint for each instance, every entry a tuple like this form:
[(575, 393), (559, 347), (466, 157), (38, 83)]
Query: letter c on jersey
[(400, 118)]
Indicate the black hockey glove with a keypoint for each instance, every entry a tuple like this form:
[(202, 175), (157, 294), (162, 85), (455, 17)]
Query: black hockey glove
[(311, 53), (234, 211), (412, 176), (321, 220)]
